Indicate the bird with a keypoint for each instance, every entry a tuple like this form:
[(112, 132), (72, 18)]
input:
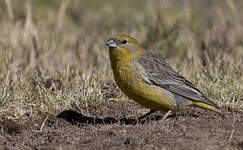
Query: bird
[(150, 81)]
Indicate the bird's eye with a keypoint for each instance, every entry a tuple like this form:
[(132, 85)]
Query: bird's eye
[(124, 41)]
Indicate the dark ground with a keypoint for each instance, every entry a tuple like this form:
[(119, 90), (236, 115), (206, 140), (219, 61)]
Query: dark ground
[(113, 126)]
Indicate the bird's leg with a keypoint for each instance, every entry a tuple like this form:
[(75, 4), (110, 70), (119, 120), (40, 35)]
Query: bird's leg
[(166, 115), (148, 113)]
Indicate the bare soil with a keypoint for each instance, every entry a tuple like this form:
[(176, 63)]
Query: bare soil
[(114, 125)]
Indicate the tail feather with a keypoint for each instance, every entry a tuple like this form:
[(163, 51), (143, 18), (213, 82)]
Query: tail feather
[(209, 107)]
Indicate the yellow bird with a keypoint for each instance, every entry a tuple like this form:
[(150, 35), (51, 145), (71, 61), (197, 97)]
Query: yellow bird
[(150, 81)]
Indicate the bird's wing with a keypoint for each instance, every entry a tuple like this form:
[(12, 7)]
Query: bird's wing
[(159, 73)]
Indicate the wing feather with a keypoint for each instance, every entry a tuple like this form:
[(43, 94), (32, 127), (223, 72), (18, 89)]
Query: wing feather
[(159, 73)]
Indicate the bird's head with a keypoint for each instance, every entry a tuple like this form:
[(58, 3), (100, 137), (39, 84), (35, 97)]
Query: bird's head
[(123, 47)]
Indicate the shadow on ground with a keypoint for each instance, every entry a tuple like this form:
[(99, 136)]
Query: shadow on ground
[(76, 118)]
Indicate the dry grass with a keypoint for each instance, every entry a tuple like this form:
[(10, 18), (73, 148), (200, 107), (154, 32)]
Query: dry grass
[(53, 55)]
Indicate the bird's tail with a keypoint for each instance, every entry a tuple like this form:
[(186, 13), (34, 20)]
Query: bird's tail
[(209, 107)]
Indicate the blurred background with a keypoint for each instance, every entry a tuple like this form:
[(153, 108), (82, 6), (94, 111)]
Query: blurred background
[(53, 55)]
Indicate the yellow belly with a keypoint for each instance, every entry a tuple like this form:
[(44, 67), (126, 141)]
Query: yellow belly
[(131, 81)]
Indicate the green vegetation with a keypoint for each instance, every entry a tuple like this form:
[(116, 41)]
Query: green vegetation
[(53, 55)]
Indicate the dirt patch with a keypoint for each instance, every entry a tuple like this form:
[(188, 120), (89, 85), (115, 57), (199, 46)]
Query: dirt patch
[(114, 126)]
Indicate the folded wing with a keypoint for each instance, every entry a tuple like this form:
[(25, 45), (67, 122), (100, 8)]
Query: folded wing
[(159, 73)]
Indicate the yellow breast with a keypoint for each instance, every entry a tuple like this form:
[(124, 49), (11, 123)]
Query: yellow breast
[(130, 79)]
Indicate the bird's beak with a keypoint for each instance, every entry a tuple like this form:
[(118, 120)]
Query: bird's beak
[(111, 43)]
